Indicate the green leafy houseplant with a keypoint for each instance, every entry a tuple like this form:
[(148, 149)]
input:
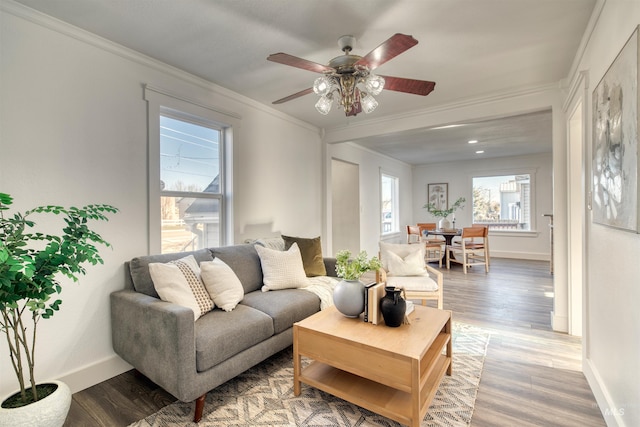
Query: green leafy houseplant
[(443, 213), (351, 269), (30, 265)]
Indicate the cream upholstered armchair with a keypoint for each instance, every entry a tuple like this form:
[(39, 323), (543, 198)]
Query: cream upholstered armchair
[(403, 266)]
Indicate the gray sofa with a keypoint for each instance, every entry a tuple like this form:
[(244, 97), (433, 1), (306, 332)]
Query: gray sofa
[(188, 358)]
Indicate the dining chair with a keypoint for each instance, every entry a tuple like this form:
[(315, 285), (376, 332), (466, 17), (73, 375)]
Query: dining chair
[(486, 239), (433, 249), (427, 227), (472, 249)]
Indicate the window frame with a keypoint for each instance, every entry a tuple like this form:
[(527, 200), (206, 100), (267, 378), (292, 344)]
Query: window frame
[(532, 231), (395, 215), (163, 103)]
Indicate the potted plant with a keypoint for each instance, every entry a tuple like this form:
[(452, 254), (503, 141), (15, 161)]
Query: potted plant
[(444, 213), (31, 265), (348, 295)]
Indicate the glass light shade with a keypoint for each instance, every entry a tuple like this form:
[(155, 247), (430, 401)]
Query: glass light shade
[(368, 103), (324, 105), (322, 85), (374, 84)]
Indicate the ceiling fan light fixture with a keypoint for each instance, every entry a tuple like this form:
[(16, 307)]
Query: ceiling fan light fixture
[(374, 84), (322, 85), (368, 102), (324, 104)]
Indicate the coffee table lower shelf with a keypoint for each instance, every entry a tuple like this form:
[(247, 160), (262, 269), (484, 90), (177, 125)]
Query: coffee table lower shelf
[(379, 398)]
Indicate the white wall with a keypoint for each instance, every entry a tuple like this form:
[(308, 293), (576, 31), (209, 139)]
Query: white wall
[(612, 318), (459, 175), (73, 131), (371, 164)]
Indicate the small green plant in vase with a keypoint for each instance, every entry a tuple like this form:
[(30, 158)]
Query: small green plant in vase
[(444, 213), (31, 265), (348, 295)]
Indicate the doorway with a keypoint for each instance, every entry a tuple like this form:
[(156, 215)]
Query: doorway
[(345, 206)]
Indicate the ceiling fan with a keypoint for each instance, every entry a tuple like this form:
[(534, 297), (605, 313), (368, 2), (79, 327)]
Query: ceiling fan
[(350, 77)]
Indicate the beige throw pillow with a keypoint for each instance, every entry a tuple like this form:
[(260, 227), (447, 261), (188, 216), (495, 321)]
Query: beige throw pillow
[(179, 282), (281, 269), (410, 265), (399, 249), (221, 282)]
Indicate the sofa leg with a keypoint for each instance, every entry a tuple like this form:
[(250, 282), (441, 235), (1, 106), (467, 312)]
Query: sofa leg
[(199, 408)]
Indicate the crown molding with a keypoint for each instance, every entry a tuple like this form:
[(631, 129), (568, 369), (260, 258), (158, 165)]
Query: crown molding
[(64, 28)]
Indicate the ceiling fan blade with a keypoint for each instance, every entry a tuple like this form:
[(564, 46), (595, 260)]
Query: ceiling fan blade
[(416, 87), (294, 96), (294, 61), (389, 49)]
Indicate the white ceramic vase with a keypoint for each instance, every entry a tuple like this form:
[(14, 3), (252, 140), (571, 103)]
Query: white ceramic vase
[(443, 224), (348, 297), (48, 412)]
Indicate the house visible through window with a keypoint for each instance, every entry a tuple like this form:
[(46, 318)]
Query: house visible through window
[(390, 204), (190, 185), (503, 202)]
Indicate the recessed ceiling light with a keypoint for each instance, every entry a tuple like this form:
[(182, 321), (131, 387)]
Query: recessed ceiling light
[(479, 151), (473, 141)]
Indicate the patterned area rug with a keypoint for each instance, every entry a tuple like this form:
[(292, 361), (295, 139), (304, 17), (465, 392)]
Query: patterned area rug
[(263, 396)]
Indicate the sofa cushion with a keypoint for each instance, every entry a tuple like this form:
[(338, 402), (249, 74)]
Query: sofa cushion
[(282, 269), (222, 284), (285, 306), (179, 282), (139, 268), (244, 261), (311, 251), (223, 334)]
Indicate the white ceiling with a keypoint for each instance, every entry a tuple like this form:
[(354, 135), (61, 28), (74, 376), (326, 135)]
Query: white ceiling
[(470, 48)]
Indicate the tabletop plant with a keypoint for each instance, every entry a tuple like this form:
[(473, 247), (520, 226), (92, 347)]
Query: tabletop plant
[(31, 265), (443, 213), (349, 268)]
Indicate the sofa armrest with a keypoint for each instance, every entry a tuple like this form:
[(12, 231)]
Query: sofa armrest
[(156, 337)]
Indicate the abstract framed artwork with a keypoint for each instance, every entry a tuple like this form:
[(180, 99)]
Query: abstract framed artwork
[(615, 142), (438, 194)]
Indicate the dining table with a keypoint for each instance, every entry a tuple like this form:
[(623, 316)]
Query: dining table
[(448, 234)]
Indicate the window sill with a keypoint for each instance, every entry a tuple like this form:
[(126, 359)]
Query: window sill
[(390, 236)]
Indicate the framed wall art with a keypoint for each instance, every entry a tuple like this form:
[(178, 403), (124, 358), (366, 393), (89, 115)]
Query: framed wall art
[(438, 195), (615, 142)]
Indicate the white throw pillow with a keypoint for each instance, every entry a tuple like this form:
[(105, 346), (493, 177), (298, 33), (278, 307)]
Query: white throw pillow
[(179, 282), (411, 265), (281, 269), (221, 282), (399, 249)]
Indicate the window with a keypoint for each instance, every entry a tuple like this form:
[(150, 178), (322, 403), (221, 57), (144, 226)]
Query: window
[(389, 201), (190, 184), (503, 202), (190, 147)]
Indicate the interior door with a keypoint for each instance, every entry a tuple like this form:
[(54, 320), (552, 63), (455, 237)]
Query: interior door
[(345, 206)]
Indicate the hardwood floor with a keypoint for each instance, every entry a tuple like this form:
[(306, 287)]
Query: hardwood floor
[(531, 377)]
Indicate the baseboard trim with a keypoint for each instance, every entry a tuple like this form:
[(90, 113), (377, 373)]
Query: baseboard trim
[(95, 373), (559, 323), (610, 411), (519, 255)]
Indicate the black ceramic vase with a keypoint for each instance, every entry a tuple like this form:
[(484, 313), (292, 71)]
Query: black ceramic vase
[(393, 307)]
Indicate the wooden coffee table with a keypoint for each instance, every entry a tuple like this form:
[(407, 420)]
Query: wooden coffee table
[(394, 372)]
